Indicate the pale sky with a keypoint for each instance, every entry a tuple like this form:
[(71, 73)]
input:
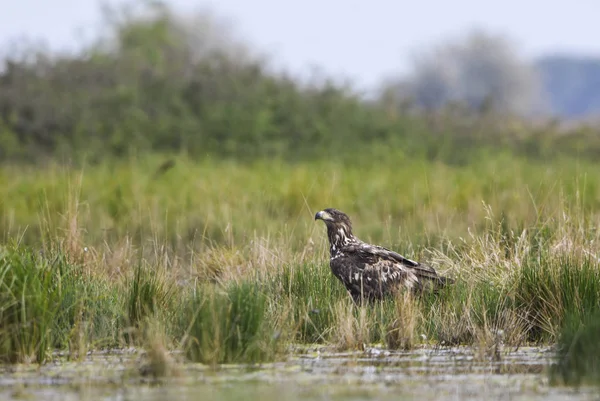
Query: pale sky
[(360, 40)]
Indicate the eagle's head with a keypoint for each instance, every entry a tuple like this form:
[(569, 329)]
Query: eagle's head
[(339, 228), (333, 216)]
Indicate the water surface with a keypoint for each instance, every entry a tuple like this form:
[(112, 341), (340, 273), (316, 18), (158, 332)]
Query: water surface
[(309, 374)]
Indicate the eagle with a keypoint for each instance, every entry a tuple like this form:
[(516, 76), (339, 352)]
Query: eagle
[(368, 271)]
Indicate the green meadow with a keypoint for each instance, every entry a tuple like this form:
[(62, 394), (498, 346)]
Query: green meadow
[(223, 260)]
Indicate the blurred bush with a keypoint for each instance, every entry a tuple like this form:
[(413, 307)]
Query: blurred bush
[(160, 81)]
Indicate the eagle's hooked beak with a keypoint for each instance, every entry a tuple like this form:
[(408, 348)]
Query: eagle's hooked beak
[(323, 215)]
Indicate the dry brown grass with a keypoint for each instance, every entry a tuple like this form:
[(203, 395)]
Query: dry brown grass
[(351, 329), (402, 332)]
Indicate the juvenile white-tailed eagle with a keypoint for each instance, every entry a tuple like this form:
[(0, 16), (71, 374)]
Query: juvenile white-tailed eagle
[(369, 271)]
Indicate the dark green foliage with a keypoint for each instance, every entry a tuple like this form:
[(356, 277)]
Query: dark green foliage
[(151, 91), (578, 350), (229, 327)]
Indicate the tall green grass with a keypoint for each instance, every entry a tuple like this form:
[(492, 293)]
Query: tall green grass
[(312, 292), (225, 262), (578, 361), (31, 302), (148, 295), (397, 200), (40, 297), (552, 290), (230, 326)]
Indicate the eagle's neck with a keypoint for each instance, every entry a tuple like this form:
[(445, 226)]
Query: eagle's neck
[(340, 236)]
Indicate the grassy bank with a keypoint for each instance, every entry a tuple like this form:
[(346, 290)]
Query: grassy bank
[(225, 262)]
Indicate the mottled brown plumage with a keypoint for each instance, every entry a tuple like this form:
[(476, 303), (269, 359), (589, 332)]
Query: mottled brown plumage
[(370, 271)]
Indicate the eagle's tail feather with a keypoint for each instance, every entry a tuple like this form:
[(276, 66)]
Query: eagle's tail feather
[(445, 280), (441, 282), (434, 283)]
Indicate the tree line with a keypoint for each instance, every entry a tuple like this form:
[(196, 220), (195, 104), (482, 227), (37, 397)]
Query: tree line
[(161, 82)]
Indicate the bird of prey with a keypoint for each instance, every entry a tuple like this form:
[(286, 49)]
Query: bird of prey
[(368, 271)]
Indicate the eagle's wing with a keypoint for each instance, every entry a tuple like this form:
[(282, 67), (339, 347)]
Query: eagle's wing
[(420, 270), (373, 271), (367, 269)]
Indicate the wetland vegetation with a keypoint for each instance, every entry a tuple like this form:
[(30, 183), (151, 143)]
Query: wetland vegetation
[(224, 261), (164, 203)]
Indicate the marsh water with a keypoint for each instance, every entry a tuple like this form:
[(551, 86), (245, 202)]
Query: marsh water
[(308, 374)]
